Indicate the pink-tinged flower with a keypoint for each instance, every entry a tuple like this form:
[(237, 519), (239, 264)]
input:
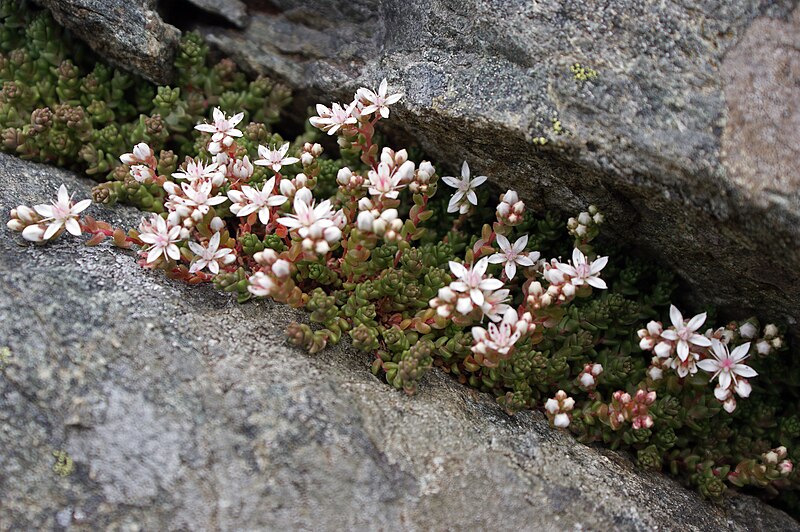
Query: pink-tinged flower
[(275, 159), (316, 225), (250, 200), (513, 255), (223, 130), (197, 195), (377, 101), (241, 169), (199, 170), (581, 271), (335, 118), (510, 210), (650, 336), (494, 303), (62, 212), (142, 154), (684, 333), (142, 173), (557, 409), (465, 190), (261, 284), (471, 280), (210, 256), (384, 182), (727, 365), (497, 341), (162, 236)]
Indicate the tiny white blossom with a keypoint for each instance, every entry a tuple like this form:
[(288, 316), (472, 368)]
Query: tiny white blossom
[(384, 182), (513, 255), (377, 101), (335, 118), (727, 365), (223, 130), (465, 190), (275, 159), (62, 212), (250, 200), (471, 280), (162, 236), (685, 333), (582, 271), (210, 256), (199, 170), (316, 225)]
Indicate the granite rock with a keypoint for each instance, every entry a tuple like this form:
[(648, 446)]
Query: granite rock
[(687, 138)]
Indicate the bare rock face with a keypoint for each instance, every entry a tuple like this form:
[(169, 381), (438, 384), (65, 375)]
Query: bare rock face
[(128, 401), (687, 136)]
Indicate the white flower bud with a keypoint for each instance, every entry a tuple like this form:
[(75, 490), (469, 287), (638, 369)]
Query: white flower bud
[(747, 330), (561, 420), (770, 331), (316, 149), (216, 224), (306, 159), (401, 157), (287, 188), (365, 220), (34, 233), (281, 268), (343, 176), (584, 218), (763, 347)]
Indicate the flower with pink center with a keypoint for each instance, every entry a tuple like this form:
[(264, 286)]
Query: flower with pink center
[(581, 271), (223, 130), (162, 237), (513, 255), (471, 280), (197, 195), (684, 334), (494, 303), (316, 225), (333, 119), (727, 365), (61, 212), (199, 170), (210, 256), (384, 182), (377, 101), (250, 200), (275, 158), (498, 340)]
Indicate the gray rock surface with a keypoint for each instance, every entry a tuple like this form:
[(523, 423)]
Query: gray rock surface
[(234, 11), (181, 409), (130, 33), (688, 138)]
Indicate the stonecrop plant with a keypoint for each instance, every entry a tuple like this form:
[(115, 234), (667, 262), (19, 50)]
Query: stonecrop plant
[(422, 270)]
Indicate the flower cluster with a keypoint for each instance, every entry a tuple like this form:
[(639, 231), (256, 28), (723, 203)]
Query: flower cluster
[(519, 306)]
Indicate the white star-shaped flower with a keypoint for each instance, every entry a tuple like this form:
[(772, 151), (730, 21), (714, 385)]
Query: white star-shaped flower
[(61, 212), (223, 130), (685, 333), (581, 271), (513, 255), (335, 118), (250, 200), (727, 365), (465, 190), (275, 159), (162, 236), (210, 256), (471, 280), (377, 101)]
